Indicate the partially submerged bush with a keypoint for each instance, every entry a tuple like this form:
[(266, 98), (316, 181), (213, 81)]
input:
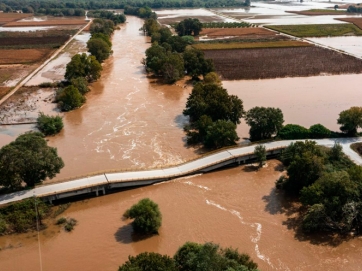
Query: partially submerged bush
[(69, 98), (293, 131), (61, 221), (49, 125)]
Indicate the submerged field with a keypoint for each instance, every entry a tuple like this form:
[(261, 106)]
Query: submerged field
[(281, 62), (317, 12), (318, 30)]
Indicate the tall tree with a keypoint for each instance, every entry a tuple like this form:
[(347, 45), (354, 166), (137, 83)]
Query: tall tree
[(350, 120), (189, 27), (99, 49), (264, 122), (28, 159), (82, 65)]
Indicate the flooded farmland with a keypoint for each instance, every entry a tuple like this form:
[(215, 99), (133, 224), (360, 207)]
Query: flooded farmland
[(132, 121)]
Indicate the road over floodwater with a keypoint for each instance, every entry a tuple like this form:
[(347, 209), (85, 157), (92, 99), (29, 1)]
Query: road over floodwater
[(137, 178)]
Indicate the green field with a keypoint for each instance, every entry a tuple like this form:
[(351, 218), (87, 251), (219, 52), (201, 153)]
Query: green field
[(250, 45), (318, 30)]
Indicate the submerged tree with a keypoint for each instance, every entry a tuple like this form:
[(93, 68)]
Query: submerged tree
[(260, 154)]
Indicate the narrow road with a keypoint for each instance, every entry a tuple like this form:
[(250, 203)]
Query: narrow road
[(140, 177), (26, 79)]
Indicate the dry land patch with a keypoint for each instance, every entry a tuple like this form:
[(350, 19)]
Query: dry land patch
[(23, 56), (249, 45), (316, 12), (281, 62), (318, 30), (357, 21), (10, 17)]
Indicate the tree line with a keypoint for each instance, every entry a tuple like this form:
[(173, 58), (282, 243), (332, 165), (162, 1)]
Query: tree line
[(66, 5), (169, 56)]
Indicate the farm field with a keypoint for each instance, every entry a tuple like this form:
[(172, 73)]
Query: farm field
[(249, 45), (23, 56), (239, 32), (10, 75), (10, 17), (356, 21), (281, 62), (46, 23), (317, 12), (318, 30)]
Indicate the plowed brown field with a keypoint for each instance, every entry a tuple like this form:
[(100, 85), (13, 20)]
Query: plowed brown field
[(356, 21), (8, 56), (46, 23), (9, 17), (281, 62)]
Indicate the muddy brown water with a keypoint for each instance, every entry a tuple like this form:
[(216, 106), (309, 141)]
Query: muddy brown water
[(238, 207), (130, 121)]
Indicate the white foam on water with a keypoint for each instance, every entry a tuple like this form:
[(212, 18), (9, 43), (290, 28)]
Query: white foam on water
[(196, 185), (254, 239)]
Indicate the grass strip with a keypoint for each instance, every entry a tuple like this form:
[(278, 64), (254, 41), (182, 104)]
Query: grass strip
[(318, 30)]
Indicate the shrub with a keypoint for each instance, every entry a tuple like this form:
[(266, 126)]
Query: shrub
[(61, 220), (147, 216), (293, 131), (69, 225), (69, 98), (319, 131), (81, 84), (49, 125)]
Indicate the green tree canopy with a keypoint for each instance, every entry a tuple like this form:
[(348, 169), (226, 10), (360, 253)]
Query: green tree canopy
[(99, 48), (293, 131), (149, 261), (150, 26), (28, 159), (173, 67), (81, 84), (147, 216), (189, 27), (350, 120), (196, 64), (103, 26), (319, 131), (49, 125), (69, 98), (264, 122), (214, 101), (221, 133), (82, 65), (260, 154)]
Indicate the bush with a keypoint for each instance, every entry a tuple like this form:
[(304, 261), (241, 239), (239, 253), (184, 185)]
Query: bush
[(319, 131), (69, 225), (61, 220), (49, 125), (69, 98), (293, 131), (81, 84), (147, 216)]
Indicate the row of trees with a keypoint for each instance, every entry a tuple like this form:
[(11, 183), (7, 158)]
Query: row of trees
[(111, 4), (83, 68), (142, 12), (329, 186), (168, 56), (116, 18), (192, 256)]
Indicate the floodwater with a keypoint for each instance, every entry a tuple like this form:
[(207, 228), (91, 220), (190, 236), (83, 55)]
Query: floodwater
[(131, 121), (238, 207), (350, 44)]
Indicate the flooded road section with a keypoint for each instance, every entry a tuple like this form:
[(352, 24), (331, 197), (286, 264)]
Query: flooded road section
[(127, 121), (238, 207)]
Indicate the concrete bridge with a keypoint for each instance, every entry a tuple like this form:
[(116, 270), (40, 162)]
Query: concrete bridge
[(100, 184)]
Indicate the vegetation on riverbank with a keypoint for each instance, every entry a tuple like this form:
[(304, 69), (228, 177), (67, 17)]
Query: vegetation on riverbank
[(318, 30), (49, 125), (357, 147), (192, 256), (328, 185), (28, 160)]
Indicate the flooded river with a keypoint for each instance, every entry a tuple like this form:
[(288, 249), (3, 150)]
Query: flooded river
[(130, 121)]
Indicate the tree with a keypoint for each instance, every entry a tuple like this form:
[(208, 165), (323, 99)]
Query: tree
[(196, 64), (350, 120), (221, 133), (150, 26), (81, 84), (155, 58), (49, 125), (99, 48), (212, 78), (293, 131), (189, 27), (173, 67), (69, 98), (214, 101), (102, 26), (149, 261), (319, 131), (82, 65), (336, 152), (264, 122), (28, 159), (147, 216), (260, 154)]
